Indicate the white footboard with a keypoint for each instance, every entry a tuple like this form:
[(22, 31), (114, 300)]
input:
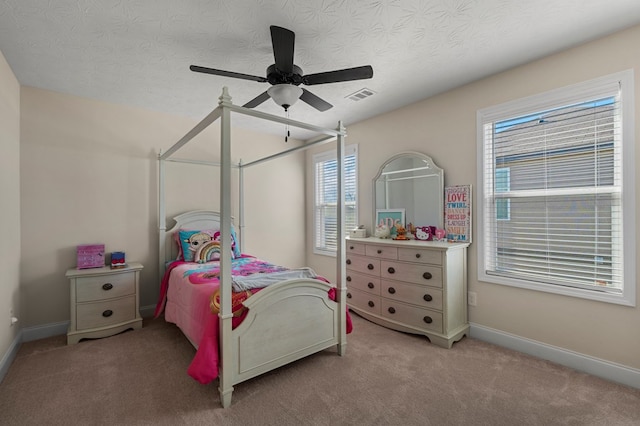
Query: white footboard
[(286, 321)]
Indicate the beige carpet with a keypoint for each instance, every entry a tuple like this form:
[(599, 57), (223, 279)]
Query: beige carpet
[(386, 378)]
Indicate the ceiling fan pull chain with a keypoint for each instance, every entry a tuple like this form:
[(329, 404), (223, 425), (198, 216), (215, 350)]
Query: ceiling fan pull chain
[(286, 138)]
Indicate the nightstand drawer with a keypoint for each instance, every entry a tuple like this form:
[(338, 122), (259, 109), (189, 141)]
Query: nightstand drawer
[(105, 287), (100, 314)]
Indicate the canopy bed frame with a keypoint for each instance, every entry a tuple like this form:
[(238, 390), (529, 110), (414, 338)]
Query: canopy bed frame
[(286, 321)]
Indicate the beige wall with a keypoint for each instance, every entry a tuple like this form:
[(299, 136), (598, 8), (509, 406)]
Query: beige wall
[(89, 175), (10, 204), (444, 127)]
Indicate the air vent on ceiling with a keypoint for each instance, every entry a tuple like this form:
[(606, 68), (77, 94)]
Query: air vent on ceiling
[(360, 94)]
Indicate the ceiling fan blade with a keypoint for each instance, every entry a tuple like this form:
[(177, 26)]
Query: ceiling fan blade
[(357, 73), (232, 74), (314, 101), (257, 100), (283, 41)]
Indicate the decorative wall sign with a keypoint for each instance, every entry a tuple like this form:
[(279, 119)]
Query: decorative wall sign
[(457, 213)]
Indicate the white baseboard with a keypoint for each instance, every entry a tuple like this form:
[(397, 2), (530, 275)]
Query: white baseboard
[(44, 331), (604, 369), (10, 355)]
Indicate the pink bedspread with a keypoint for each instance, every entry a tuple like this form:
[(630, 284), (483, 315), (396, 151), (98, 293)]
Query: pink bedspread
[(184, 297)]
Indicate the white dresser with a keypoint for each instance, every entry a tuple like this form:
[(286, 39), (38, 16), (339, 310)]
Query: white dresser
[(412, 286), (104, 301)]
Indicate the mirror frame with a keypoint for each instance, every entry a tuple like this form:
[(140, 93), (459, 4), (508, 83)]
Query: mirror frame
[(431, 165)]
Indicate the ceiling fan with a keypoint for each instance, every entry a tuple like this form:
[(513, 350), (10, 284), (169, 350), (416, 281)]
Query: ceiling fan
[(285, 77)]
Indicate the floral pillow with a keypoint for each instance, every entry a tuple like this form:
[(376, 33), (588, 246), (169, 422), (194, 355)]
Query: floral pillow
[(191, 240)]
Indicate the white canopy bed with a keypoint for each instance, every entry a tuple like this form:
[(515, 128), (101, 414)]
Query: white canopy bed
[(285, 321)]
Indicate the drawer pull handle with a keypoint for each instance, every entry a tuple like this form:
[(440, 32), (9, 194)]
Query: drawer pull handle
[(392, 290), (348, 278), (391, 270), (427, 275), (370, 285), (350, 247), (348, 295), (428, 320), (417, 255), (427, 298), (348, 261), (107, 313), (392, 310), (107, 286), (379, 251), (371, 304), (369, 266)]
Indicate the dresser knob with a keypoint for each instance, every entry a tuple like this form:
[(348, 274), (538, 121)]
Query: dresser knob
[(370, 285), (427, 298), (371, 304), (379, 251), (348, 278), (392, 310), (107, 313), (417, 255), (348, 295), (428, 320), (391, 270), (107, 286), (369, 266), (391, 290), (427, 275), (348, 261), (350, 247)]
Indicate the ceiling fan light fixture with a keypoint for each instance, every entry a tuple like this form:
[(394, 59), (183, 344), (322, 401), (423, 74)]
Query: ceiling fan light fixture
[(285, 95)]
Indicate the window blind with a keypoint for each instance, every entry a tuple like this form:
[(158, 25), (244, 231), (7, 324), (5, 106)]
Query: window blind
[(553, 195), (326, 199)]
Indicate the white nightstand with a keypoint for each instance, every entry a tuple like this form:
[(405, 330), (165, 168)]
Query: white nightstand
[(104, 301)]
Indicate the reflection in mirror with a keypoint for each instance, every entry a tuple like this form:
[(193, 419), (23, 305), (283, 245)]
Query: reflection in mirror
[(411, 181)]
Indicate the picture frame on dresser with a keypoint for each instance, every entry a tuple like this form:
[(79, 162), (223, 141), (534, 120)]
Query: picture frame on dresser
[(390, 217)]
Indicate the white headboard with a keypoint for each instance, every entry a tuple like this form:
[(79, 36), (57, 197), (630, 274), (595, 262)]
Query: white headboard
[(197, 219)]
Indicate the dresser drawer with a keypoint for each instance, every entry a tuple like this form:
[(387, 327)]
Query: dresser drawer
[(412, 273), (105, 286), (409, 254), (355, 248), (363, 264), (382, 252), (363, 282), (424, 296), (364, 301), (101, 314), (411, 315)]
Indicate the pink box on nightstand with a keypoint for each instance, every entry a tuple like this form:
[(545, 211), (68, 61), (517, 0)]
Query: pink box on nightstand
[(90, 256)]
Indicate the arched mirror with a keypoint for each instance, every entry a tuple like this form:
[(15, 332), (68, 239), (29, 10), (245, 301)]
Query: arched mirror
[(411, 181)]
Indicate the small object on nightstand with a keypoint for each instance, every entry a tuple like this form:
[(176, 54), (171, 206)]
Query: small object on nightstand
[(104, 301), (90, 256), (117, 260)]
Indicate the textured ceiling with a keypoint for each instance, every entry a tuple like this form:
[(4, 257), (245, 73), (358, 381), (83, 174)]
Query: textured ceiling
[(138, 52)]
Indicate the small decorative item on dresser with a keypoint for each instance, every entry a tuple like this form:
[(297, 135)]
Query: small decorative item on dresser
[(359, 232), (90, 256), (117, 260)]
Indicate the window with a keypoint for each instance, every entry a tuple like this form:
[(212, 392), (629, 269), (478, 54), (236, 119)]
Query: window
[(556, 191), (326, 198)]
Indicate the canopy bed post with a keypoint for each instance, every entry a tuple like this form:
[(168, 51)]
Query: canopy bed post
[(341, 246), (162, 215), (226, 373), (241, 203)]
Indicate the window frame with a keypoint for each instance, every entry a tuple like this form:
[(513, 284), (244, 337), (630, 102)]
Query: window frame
[(568, 95), (349, 150)]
